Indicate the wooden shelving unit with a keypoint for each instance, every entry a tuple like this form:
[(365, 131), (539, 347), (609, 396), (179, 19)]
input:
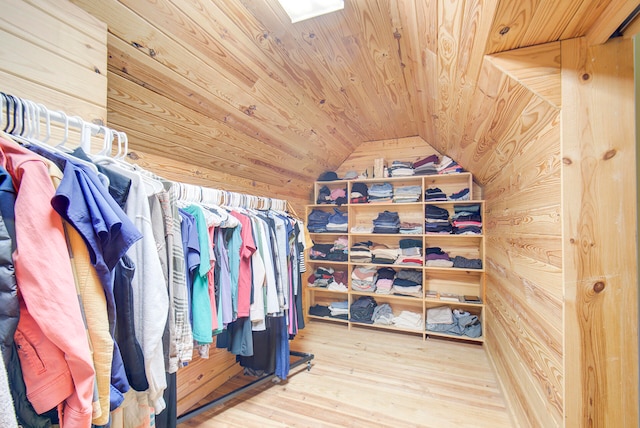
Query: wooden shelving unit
[(452, 280)]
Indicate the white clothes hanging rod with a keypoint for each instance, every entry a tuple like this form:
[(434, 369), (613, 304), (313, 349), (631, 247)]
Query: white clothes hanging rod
[(22, 116), (193, 193)]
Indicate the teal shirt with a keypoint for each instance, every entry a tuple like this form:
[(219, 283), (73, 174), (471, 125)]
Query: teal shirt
[(201, 302)]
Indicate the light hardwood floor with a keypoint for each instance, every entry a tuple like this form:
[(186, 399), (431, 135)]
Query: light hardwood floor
[(370, 378)]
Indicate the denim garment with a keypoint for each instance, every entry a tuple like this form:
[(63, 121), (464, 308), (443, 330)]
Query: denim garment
[(338, 217)]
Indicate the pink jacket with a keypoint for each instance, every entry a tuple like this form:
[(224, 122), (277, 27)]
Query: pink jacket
[(51, 336)]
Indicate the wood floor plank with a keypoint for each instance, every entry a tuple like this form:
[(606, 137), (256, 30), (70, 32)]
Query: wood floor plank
[(369, 378)]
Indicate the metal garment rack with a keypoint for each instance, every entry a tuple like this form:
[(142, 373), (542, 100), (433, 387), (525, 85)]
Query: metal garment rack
[(304, 358)]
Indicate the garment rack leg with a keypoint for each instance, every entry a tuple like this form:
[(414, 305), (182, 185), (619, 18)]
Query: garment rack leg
[(304, 358)]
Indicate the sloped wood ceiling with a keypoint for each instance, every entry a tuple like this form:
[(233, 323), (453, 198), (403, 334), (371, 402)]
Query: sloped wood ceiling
[(232, 92)]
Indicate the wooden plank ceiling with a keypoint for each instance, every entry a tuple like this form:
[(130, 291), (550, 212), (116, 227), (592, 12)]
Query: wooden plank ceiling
[(235, 90)]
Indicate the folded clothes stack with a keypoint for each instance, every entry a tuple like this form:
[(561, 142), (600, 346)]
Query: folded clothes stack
[(437, 258), (338, 221), (382, 254), (426, 166), (434, 195), (337, 252), (410, 252), (400, 169), (405, 194), (381, 192), (457, 322), (462, 195), (409, 320), (467, 219), (408, 282), (384, 281), (448, 166), (436, 220), (386, 222), (362, 309), (359, 193), (317, 221), (328, 196), (363, 278), (409, 228), (360, 252)]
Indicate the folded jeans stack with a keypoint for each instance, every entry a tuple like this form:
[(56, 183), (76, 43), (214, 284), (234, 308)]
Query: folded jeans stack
[(317, 221), (338, 221), (386, 222), (381, 192)]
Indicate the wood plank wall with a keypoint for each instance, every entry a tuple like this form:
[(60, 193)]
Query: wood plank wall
[(54, 53), (512, 145), (600, 239)]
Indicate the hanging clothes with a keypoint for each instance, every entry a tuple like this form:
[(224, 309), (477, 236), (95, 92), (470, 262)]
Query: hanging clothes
[(137, 270)]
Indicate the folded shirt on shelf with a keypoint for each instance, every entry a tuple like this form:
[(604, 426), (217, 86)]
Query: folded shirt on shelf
[(405, 194), (448, 166), (409, 320), (359, 193), (434, 195), (363, 278), (338, 251), (317, 221), (362, 309), (462, 195), (386, 222), (383, 314), (464, 263), (360, 252), (338, 221), (409, 228)]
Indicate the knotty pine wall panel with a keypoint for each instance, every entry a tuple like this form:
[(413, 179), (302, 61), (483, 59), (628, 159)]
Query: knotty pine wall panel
[(512, 145), (54, 53), (600, 240)]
